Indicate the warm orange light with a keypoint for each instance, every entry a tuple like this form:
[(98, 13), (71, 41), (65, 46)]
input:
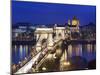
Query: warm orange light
[(44, 68), (74, 22), (66, 63)]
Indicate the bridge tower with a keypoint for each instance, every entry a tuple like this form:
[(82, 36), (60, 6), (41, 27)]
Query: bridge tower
[(59, 33), (44, 38)]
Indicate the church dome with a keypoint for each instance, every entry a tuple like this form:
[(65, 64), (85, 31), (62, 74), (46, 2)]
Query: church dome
[(75, 21)]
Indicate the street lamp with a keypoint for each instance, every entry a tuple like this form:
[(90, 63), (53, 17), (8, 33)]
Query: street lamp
[(44, 68)]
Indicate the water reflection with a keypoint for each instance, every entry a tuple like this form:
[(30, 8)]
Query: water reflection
[(19, 52), (88, 51), (80, 56)]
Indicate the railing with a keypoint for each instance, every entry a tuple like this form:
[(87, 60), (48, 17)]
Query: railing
[(15, 68), (42, 60)]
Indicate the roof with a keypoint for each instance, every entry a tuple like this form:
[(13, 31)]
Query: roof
[(43, 30)]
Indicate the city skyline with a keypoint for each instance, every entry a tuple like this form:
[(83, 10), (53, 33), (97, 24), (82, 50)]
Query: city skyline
[(50, 37), (51, 13)]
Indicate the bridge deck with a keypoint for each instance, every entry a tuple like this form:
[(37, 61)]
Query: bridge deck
[(28, 65)]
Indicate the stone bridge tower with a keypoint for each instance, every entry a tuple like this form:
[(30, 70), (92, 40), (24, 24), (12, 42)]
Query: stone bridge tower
[(59, 32), (44, 38)]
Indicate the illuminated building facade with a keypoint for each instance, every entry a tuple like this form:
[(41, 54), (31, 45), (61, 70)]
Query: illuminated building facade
[(73, 28)]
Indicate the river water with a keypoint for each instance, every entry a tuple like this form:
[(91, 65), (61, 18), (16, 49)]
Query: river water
[(20, 52), (88, 51)]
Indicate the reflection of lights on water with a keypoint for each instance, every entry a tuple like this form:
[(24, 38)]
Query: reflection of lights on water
[(89, 47), (44, 68), (77, 49), (94, 47), (21, 49), (80, 47), (16, 34), (66, 63), (70, 50), (19, 62), (64, 56), (25, 58), (26, 50), (15, 48)]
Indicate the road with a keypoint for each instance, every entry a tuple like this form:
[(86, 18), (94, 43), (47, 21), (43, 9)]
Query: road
[(28, 65)]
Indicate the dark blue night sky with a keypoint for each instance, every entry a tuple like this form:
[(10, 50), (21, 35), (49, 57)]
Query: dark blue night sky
[(46, 13)]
